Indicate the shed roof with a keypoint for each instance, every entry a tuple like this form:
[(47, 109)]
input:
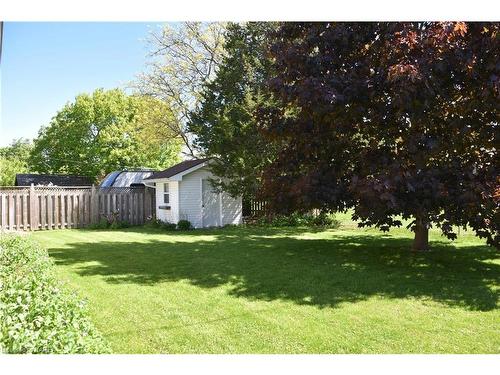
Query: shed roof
[(126, 178), (176, 169), (52, 179)]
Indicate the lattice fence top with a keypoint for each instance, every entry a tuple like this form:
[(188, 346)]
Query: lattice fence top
[(69, 189), (119, 190)]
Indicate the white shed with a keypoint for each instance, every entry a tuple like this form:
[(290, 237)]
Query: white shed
[(184, 192)]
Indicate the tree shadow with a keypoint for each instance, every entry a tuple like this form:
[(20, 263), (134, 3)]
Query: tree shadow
[(270, 264)]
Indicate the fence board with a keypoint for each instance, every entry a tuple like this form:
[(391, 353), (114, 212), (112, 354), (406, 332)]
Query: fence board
[(74, 210), (12, 211), (63, 210), (48, 208), (50, 212), (69, 212), (43, 211)]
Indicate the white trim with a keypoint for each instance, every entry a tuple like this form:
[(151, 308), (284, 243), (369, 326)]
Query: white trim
[(201, 199), (220, 209), (178, 176)]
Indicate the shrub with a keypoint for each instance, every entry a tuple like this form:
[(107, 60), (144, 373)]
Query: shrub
[(169, 226), (110, 222), (119, 224), (101, 224), (153, 223), (325, 220), (298, 219), (184, 225), (37, 314), (159, 224)]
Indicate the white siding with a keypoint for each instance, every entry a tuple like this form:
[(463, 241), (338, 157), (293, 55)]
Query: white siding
[(190, 196), (231, 209), (172, 215)]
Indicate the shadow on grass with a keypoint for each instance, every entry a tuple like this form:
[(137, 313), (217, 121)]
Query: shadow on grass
[(268, 264)]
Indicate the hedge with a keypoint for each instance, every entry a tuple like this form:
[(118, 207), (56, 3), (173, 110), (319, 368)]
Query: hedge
[(37, 313)]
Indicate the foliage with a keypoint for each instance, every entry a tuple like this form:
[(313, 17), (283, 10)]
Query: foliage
[(14, 160), (224, 122), (184, 225), (392, 119), (182, 59), (296, 219), (37, 314), (106, 131), (284, 290), (159, 224), (110, 222)]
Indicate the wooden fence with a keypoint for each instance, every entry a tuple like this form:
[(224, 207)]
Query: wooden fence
[(254, 209), (46, 208)]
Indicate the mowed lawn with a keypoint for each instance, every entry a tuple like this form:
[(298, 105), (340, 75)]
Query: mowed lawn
[(290, 290)]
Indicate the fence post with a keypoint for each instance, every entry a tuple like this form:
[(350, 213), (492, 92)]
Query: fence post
[(32, 208), (148, 206), (94, 206)]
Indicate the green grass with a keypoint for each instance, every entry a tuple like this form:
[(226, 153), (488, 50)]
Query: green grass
[(287, 290)]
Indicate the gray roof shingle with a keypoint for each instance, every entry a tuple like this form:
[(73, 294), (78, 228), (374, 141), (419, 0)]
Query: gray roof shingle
[(54, 179), (176, 169)]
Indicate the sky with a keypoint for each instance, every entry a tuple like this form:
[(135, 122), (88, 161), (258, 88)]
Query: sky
[(45, 65)]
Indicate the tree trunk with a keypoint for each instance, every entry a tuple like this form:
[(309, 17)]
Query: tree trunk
[(421, 240)]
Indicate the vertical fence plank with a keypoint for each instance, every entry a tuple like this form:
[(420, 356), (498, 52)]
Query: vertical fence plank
[(63, 210), (80, 210), (25, 211), (69, 210), (2, 211), (43, 210), (18, 210), (94, 202), (50, 211), (12, 209), (141, 207), (57, 212), (74, 206), (31, 208)]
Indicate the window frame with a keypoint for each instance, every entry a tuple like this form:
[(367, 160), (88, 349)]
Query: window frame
[(166, 193)]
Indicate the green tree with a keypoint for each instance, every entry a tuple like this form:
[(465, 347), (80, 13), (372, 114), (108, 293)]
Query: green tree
[(14, 160), (106, 131), (394, 120), (225, 122), (183, 58)]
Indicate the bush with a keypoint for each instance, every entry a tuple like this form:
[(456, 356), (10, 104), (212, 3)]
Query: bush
[(37, 314), (184, 225), (159, 224), (110, 222), (169, 226), (153, 223), (101, 224), (119, 224), (298, 219)]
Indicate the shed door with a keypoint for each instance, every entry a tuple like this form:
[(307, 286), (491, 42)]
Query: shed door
[(210, 205)]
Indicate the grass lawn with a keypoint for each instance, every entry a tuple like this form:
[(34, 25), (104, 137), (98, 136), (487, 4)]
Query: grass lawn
[(261, 290)]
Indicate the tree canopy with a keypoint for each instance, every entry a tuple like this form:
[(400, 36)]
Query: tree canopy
[(182, 59), (14, 160), (106, 131), (225, 122), (396, 120)]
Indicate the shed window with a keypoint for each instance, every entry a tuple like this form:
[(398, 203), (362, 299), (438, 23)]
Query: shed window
[(166, 196)]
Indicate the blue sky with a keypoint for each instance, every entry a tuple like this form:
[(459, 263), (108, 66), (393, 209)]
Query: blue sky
[(45, 65)]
